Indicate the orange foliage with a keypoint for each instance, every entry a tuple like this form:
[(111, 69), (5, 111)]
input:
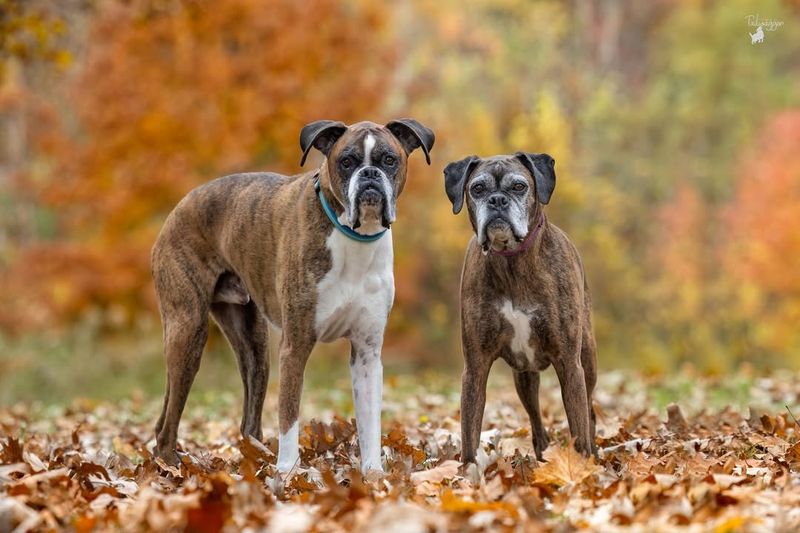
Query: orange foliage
[(727, 284), (764, 217), (763, 252), (171, 95), (679, 248)]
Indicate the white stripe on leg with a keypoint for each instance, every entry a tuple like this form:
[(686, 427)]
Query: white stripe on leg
[(367, 377), (288, 449)]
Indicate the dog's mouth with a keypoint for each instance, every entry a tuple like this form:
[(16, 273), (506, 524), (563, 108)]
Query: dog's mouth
[(371, 209), (499, 236)]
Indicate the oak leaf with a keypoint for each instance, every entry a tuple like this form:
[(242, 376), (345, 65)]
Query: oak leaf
[(565, 467)]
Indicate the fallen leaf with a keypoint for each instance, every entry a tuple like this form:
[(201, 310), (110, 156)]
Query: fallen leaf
[(565, 466), (446, 470)]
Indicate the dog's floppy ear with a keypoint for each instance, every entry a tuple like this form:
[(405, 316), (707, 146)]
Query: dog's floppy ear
[(542, 167), (455, 179), (321, 135), (413, 135)]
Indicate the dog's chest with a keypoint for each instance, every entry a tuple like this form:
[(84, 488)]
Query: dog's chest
[(355, 295), (520, 320)]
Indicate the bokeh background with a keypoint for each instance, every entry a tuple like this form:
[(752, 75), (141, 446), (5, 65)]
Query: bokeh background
[(677, 144)]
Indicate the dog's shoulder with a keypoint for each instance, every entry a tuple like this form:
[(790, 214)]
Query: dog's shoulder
[(558, 249), (556, 235), (233, 183), (249, 186)]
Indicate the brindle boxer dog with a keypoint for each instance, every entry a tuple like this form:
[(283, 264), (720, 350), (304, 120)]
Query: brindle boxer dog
[(524, 296), (310, 253)]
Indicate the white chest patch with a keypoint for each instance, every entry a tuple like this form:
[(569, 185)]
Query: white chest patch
[(520, 321), (355, 295)]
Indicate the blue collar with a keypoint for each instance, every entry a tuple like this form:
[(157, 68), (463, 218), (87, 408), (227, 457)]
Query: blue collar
[(338, 225)]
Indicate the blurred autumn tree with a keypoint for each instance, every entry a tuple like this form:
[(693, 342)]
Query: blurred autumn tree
[(728, 290), (647, 127), (170, 95), (660, 115), (762, 252)]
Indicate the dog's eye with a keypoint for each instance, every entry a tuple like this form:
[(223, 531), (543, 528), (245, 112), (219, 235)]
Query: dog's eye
[(389, 160), (478, 188), (346, 163), (519, 187)]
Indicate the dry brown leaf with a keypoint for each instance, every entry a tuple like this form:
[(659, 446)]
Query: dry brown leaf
[(105, 479), (565, 466), (675, 420), (453, 504), (446, 470)]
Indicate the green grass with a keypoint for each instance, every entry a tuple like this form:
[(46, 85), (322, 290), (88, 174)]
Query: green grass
[(59, 368)]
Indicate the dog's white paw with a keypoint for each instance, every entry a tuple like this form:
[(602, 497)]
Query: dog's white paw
[(372, 466), (373, 474), (286, 466)]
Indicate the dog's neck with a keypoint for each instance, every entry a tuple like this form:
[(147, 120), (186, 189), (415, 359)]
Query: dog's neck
[(512, 271), (336, 203), (526, 243), (329, 204)]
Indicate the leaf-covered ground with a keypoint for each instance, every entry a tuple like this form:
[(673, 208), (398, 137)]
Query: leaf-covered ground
[(726, 458)]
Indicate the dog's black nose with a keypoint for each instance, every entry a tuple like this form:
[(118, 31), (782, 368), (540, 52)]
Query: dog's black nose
[(498, 201), (371, 173)]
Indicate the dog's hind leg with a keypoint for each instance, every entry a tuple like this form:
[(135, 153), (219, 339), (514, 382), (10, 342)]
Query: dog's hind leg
[(589, 360), (527, 384), (573, 393), (247, 332), (184, 340), (183, 286), (589, 364)]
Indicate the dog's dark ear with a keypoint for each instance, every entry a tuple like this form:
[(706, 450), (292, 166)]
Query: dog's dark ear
[(413, 135), (321, 135), (542, 167), (455, 179)]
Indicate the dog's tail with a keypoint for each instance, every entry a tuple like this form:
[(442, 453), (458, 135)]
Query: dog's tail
[(752, 35)]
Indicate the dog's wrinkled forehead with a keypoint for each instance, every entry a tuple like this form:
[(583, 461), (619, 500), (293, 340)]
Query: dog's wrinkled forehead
[(499, 166), (364, 139)]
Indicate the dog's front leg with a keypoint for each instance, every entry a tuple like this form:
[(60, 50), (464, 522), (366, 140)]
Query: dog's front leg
[(366, 372), (293, 357), (473, 402)]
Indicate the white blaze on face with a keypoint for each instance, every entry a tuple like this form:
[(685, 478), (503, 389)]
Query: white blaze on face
[(351, 209), (352, 187), (369, 144)]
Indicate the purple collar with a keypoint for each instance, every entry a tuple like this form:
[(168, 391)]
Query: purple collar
[(525, 244)]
